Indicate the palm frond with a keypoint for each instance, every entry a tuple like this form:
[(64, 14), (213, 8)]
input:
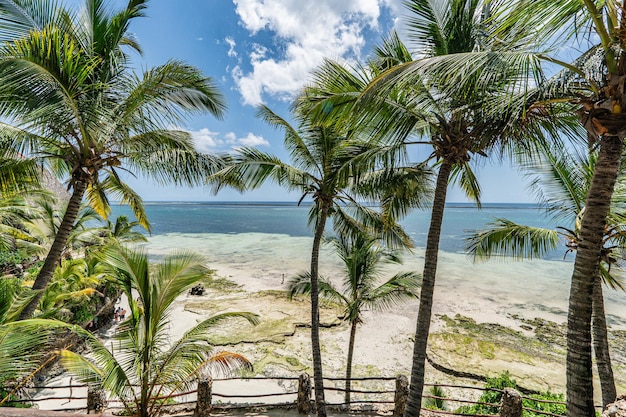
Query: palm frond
[(506, 238)]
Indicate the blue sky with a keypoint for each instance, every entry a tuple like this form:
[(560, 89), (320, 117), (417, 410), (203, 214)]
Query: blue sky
[(262, 51)]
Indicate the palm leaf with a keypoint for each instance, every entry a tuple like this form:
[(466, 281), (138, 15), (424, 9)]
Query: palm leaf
[(504, 237)]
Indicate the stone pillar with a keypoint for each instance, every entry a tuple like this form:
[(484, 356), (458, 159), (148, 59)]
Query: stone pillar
[(204, 401), (304, 394), (511, 405), (96, 399), (401, 396)]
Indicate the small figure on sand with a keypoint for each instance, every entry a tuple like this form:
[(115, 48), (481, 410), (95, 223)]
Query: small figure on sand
[(122, 314)]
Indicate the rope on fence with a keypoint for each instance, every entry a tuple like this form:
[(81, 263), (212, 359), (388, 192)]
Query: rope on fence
[(544, 401), (358, 391), (461, 401), (546, 413), (253, 395), (367, 378), (282, 378)]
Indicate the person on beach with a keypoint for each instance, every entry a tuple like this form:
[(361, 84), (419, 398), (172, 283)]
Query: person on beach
[(122, 314)]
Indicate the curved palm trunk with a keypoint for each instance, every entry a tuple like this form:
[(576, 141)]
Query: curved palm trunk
[(578, 366), (416, 387), (349, 363), (56, 250), (315, 315), (601, 345)]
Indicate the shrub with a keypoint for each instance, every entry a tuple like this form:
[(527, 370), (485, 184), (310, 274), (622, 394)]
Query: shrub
[(435, 403), (494, 397)]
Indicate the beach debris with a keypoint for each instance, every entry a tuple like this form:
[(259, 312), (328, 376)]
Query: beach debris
[(197, 289)]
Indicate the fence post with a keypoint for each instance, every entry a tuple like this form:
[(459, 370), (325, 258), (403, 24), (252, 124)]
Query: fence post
[(95, 399), (304, 394), (401, 396), (203, 403), (511, 405)]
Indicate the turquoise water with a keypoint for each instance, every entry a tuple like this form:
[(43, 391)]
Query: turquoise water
[(261, 245), (291, 220)]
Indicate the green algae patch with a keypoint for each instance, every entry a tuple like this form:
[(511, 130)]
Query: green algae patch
[(271, 358), (279, 316), (488, 349)]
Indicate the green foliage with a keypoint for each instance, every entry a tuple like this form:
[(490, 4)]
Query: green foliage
[(558, 409), (148, 366), (11, 261), (504, 380), (435, 403), (83, 313)]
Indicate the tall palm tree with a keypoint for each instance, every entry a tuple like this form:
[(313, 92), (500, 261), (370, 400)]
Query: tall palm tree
[(564, 181), (402, 103), (333, 171), (70, 98), (148, 367), (362, 258), (592, 86)]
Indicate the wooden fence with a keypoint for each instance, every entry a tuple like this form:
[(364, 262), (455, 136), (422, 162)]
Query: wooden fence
[(383, 394)]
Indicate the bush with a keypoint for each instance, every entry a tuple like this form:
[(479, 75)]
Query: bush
[(494, 397), (435, 403)]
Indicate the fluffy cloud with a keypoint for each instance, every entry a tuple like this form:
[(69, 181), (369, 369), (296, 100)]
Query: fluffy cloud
[(208, 141), (253, 140), (302, 33)]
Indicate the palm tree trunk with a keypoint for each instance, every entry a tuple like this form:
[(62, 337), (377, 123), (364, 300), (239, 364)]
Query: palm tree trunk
[(56, 250), (578, 366), (601, 345), (349, 362), (318, 381), (416, 387)]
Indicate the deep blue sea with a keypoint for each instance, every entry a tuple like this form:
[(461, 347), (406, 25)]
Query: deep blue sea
[(460, 219)]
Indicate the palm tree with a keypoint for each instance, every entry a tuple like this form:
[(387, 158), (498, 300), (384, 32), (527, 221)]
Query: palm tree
[(563, 180), (23, 344), (362, 259), (591, 85), (401, 103), (72, 100), (332, 170), (148, 366)]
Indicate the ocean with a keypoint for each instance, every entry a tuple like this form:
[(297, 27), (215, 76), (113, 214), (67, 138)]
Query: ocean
[(263, 243)]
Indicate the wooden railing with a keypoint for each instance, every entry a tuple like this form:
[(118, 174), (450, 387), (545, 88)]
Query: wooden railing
[(375, 393)]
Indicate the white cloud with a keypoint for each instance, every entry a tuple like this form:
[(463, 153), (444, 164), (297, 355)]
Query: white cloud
[(304, 32), (253, 140), (208, 141), (200, 39), (231, 46), (205, 140)]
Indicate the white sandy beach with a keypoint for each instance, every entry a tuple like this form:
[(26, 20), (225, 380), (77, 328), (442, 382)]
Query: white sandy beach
[(496, 292)]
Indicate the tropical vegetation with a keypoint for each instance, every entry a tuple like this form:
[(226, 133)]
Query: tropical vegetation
[(149, 365), (73, 101), (363, 258), (591, 84), (562, 181), (333, 170), (402, 105), (536, 405)]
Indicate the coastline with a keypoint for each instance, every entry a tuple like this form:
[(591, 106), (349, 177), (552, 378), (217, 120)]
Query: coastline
[(484, 318), (508, 295)]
